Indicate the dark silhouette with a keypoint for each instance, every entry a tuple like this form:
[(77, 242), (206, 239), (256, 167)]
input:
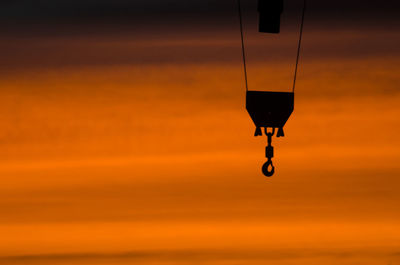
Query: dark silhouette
[(270, 15), (270, 109), (268, 168)]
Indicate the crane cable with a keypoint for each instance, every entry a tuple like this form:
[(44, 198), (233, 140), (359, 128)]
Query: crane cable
[(243, 46), (298, 46)]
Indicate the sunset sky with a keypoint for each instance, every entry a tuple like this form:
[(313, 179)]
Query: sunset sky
[(124, 137)]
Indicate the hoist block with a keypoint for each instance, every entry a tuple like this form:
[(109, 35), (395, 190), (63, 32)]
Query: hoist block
[(270, 15), (269, 109)]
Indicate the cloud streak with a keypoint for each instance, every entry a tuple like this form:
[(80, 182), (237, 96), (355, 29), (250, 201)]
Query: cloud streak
[(52, 53), (209, 256)]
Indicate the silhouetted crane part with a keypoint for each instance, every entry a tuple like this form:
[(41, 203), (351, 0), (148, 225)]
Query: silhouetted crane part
[(268, 168), (270, 15), (267, 109)]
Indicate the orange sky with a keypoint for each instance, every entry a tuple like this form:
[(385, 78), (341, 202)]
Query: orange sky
[(105, 160)]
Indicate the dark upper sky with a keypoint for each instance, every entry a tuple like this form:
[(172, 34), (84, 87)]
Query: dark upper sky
[(50, 13), (111, 8), (376, 21)]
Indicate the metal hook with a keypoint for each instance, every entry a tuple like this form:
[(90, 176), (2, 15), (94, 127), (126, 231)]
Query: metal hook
[(268, 168)]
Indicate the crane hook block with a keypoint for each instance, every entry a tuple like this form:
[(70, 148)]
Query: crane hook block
[(270, 109), (270, 15)]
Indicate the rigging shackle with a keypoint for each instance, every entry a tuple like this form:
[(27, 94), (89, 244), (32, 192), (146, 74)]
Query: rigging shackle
[(269, 134), (268, 168)]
